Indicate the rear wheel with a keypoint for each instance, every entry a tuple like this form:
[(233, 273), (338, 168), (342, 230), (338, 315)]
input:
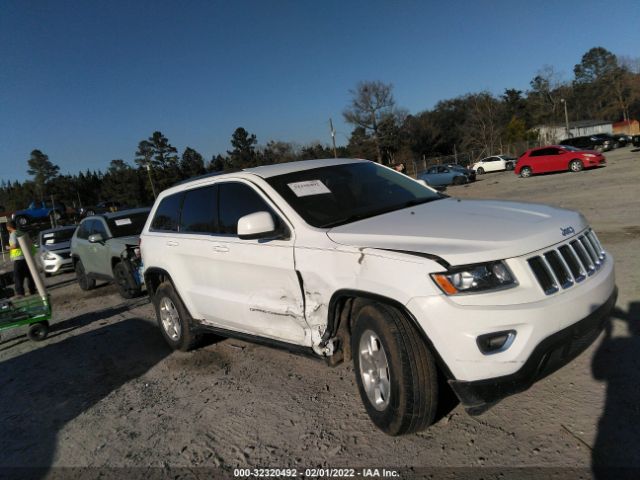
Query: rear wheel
[(395, 371), (576, 165), (174, 320), (84, 281), (480, 170), (127, 286), (38, 331), (458, 180), (526, 172)]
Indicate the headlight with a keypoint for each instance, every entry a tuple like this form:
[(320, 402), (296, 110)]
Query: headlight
[(48, 256), (475, 278), (589, 155)]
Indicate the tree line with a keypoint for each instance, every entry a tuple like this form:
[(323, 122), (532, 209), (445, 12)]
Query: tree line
[(604, 87)]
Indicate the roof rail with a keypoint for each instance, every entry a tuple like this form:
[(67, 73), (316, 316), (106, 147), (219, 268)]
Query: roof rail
[(207, 175)]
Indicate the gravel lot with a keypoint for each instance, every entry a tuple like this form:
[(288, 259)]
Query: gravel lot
[(104, 391)]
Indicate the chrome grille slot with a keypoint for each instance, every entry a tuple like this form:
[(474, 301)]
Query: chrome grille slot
[(572, 261), (559, 269), (584, 257), (590, 251), (543, 274), (568, 264), (596, 244)]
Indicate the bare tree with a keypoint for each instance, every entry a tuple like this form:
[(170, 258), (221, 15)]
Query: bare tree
[(371, 103)]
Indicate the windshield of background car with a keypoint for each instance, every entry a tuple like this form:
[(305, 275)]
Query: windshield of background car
[(59, 236), (127, 225), (331, 196), (570, 148)]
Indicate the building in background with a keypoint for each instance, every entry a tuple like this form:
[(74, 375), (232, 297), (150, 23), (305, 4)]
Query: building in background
[(551, 134), (628, 127)]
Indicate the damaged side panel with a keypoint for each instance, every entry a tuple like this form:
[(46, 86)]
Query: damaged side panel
[(323, 271)]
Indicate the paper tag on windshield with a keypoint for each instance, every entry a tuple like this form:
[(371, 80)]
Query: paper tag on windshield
[(123, 221), (310, 187)]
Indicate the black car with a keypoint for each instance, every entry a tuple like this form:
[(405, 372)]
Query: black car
[(635, 140), (608, 137), (622, 138), (471, 174), (589, 142)]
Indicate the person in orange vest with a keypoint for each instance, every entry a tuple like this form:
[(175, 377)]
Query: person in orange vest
[(20, 267)]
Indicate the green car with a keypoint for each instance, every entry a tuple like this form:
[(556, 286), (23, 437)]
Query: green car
[(105, 247)]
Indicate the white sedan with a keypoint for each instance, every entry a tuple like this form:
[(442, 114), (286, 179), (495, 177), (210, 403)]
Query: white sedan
[(494, 164)]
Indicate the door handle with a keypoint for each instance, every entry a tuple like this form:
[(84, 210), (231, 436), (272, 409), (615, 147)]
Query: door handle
[(172, 243), (220, 248)]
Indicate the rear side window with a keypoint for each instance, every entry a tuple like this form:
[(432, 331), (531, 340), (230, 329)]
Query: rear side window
[(236, 201), (167, 213), (200, 210), (84, 230)]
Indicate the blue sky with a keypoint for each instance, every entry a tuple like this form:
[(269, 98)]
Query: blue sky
[(85, 81)]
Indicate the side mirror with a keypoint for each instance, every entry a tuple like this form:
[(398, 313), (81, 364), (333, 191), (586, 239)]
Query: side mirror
[(256, 225), (96, 238)]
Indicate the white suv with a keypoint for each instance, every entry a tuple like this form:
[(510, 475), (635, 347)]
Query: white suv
[(351, 260)]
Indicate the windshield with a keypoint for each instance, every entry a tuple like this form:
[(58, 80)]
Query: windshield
[(331, 196), (127, 225), (57, 236)]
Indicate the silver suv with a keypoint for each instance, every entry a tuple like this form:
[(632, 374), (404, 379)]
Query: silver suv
[(105, 247)]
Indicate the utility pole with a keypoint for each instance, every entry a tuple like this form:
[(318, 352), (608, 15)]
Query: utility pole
[(566, 116), (333, 139), (153, 188)]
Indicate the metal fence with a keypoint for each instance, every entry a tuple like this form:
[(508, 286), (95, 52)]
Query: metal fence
[(466, 159)]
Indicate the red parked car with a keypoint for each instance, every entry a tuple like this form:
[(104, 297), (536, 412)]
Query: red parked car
[(556, 158)]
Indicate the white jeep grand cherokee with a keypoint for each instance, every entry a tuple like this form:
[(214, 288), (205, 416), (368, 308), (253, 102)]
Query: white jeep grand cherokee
[(350, 259)]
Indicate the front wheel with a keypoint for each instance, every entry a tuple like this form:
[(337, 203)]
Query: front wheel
[(38, 331), (173, 319), (84, 281), (127, 286), (576, 165), (22, 220), (395, 371), (525, 172)]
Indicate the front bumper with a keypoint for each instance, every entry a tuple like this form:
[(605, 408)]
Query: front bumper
[(548, 356), (57, 264)]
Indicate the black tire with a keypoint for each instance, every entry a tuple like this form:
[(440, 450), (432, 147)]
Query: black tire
[(84, 281), (184, 337), (526, 172), (576, 166), (480, 171), (509, 166), (127, 286), (412, 399), (22, 220), (458, 180), (38, 331)]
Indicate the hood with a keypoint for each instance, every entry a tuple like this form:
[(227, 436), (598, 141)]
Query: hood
[(464, 231), (130, 240), (57, 246)]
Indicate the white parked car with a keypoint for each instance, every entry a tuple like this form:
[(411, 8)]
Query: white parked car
[(350, 260), (496, 163)]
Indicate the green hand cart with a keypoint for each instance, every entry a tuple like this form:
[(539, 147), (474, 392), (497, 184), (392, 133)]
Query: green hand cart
[(34, 311)]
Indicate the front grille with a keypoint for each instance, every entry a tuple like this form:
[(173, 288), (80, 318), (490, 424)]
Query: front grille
[(568, 264)]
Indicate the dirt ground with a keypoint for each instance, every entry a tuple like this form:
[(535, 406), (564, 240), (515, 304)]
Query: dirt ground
[(105, 391)]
